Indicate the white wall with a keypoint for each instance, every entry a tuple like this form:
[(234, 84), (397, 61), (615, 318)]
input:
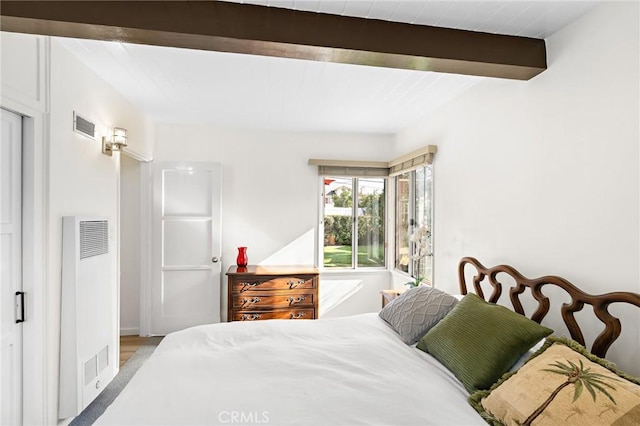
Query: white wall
[(270, 196), (344, 294), (544, 174), (82, 181)]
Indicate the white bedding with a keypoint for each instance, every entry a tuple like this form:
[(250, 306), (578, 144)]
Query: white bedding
[(342, 371)]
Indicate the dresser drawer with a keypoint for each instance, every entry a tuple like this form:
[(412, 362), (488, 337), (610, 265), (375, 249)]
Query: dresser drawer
[(243, 284), (288, 314), (255, 300)]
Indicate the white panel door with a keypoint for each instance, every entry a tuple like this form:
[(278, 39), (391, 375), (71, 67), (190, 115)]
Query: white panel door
[(10, 269), (186, 248)]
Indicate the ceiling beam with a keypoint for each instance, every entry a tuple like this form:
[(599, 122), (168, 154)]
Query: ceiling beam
[(271, 31)]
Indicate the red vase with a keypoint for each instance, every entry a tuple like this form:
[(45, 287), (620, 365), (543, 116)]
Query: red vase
[(242, 259)]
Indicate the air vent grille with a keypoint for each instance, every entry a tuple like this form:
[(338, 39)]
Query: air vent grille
[(96, 365), (94, 238), (103, 359), (84, 126), (90, 370)]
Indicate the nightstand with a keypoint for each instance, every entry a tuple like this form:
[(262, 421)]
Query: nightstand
[(389, 295)]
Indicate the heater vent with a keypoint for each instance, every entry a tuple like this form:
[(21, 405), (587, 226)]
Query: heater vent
[(90, 370), (84, 126), (88, 331), (96, 365), (94, 238)]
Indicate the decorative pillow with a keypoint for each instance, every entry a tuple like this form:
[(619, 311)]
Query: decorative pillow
[(478, 341), (550, 390), (415, 311)]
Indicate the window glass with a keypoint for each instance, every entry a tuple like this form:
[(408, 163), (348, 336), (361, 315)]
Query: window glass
[(402, 222), (422, 229), (370, 223), (414, 222), (338, 222), (354, 206)]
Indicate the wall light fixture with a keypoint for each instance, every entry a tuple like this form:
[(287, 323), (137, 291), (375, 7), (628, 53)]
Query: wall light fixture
[(114, 141)]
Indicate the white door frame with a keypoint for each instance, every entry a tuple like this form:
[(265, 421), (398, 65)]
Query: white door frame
[(35, 207), (146, 245)]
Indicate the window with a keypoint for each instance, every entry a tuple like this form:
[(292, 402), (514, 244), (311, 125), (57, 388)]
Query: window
[(354, 222), (353, 212), (414, 207)]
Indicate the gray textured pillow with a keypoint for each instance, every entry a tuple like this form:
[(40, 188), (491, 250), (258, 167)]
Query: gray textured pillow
[(415, 311)]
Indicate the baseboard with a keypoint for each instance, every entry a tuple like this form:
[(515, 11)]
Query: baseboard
[(130, 331)]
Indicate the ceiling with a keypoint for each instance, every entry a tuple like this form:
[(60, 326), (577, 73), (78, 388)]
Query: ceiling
[(257, 92)]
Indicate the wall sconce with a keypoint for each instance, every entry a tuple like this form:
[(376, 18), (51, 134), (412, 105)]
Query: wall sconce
[(115, 141)]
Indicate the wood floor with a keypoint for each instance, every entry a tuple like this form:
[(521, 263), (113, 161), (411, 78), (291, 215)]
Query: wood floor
[(129, 345)]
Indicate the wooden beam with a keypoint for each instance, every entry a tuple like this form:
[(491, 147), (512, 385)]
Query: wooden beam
[(271, 31)]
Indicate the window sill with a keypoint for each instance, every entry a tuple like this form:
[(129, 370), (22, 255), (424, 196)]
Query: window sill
[(350, 271), (405, 275)]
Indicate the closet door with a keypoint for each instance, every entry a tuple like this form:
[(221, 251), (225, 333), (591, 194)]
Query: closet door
[(11, 297)]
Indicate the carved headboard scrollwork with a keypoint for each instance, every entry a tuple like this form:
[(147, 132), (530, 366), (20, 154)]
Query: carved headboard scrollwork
[(600, 303)]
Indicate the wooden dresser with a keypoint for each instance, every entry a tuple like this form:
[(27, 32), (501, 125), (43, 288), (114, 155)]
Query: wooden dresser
[(272, 292)]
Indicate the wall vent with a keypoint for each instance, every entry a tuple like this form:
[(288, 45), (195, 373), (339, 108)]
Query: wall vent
[(96, 365), (84, 126), (94, 238)]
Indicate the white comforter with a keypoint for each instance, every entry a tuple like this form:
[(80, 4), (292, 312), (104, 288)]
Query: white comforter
[(343, 371)]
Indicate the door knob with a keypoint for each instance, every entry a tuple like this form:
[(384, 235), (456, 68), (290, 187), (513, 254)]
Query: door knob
[(214, 259)]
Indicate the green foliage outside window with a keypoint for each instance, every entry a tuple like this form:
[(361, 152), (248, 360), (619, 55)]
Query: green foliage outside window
[(337, 229)]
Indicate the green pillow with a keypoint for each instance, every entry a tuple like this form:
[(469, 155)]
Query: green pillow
[(479, 341)]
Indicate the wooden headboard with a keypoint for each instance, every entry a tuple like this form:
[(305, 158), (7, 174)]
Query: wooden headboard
[(600, 303)]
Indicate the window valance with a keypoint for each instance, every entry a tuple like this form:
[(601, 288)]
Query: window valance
[(348, 168), (413, 160), (351, 168)]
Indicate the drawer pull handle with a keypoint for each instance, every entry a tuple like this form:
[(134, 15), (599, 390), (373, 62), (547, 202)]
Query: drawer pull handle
[(250, 317), (253, 300), (296, 316), (246, 286), (293, 300), (294, 283)]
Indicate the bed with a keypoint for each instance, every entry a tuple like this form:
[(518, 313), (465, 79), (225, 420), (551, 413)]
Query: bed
[(342, 371)]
